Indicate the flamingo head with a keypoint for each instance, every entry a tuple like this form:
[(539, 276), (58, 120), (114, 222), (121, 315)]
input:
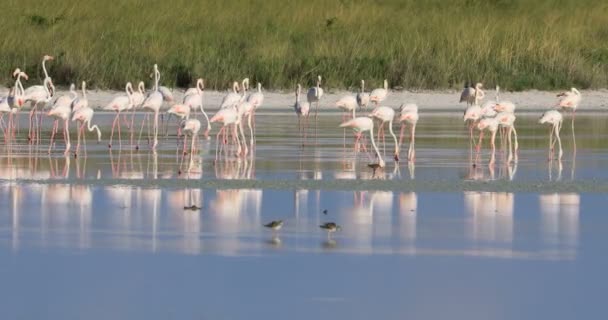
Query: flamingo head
[(24, 75), (48, 58), (16, 72)]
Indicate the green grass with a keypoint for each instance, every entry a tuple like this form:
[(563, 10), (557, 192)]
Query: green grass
[(417, 44)]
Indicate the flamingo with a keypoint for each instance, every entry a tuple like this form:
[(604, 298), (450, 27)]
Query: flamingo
[(507, 120), (39, 95), (570, 100), (245, 109), (61, 110), (181, 111), (11, 103), (256, 99), (79, 103), (488, 107), (6, 107), (490, 124), (386, 114), (348, 103), (360, 125), (231, 98), (190, 127), (228, 116), (314, 94), (194, 99), (409, 115), (153, 104), (302, 109), (84, 115), (118, 105), (472, 95), (554, 118), (362, 96), (380, 94), (138, 99)]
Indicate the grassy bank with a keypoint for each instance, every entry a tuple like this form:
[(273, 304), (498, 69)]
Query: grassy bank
[(416, 44)]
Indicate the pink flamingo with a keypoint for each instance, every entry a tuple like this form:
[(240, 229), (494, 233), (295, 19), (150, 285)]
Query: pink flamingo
[(84, 115), (228, 117), (190, 127), (409, 115), (302, 109), (61, 111), (386, 114), (348, 103), (39, 95), (231, 98), (362, 96), (118, 105), (507, 120), (570, 100), (181, 111), (314, 95), (79, 103), (554, 118), (472, 95), (138, 99), (490, 124), (360, 125), (153, 104), (194, 99), (11, 103), (380, 94), (256, 99)]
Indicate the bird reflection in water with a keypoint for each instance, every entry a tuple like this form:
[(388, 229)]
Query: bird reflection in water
[(490, 220), (560, 221)]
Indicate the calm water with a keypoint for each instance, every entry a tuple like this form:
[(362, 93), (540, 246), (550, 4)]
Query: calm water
[(106, 236)]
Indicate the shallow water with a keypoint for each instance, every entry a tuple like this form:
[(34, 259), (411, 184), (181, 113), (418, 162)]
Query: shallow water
[(107, 236)]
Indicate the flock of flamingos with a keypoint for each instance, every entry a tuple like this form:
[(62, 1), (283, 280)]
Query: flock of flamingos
[(238, 108)]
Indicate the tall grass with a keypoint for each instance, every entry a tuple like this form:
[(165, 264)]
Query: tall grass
[(415, 44)]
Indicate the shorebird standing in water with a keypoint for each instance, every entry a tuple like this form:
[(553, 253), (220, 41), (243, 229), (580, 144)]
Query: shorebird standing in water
[(330, 227), (275, 225)]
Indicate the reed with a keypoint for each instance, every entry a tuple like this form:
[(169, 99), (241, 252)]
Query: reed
[(431, 44)]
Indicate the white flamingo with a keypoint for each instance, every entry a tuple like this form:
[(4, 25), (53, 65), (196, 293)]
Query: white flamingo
[(84, 116), (386, 114), (194, 99), (119, 104), (380, 94), (362, 96), (360, 125), (409, 115), (314, 95), (555, 119)]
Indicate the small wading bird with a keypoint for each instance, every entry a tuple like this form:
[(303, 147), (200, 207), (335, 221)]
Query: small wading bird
[(362, 96), (554, 118), (275, 225), (330, 227), (360, 125), (314, 94), (380, 94), (409, 115)]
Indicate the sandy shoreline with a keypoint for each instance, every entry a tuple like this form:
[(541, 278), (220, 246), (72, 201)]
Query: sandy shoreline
[(532, 101)]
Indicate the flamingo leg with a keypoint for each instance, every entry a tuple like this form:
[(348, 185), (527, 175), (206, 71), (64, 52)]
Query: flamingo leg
[(53, 131), (112, 132)]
